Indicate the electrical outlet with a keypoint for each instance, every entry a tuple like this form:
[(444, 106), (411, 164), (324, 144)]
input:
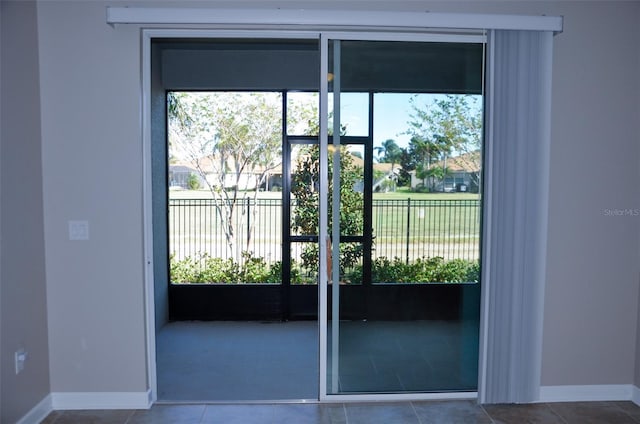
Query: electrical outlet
[(21, 358)]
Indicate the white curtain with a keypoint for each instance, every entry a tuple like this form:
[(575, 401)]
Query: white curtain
[(516, 206)]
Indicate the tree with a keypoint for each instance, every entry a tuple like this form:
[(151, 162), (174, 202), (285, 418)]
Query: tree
[(304, 188), (448, 125), (422, 153), (193, 182), (232, 139), (407, 165), (390, 152)]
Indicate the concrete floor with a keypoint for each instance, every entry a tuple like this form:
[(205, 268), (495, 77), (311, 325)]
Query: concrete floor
[(237, 361), (250, 361)]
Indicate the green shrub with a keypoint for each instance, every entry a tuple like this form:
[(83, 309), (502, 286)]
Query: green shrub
[(274, 276), (205, 269), (454, 270), (253, 270), (384, 270), (420, 188), (183, 271), (202, 268), (424, 270), (300, 275), (218, 270), (473, 272), (353, 275), (193, 181)]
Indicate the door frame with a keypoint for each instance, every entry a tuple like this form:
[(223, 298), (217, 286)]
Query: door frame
[(147, 35)]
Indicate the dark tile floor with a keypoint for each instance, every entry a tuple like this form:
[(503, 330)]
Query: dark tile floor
[(424, 412)]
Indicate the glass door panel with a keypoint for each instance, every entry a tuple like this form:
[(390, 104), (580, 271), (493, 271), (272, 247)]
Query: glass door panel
[(404, 291)]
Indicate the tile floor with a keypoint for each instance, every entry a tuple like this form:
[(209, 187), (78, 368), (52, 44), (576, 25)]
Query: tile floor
[(424, 412)]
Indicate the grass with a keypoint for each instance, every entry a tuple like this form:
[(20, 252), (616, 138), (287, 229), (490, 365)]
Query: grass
[(405, 194)]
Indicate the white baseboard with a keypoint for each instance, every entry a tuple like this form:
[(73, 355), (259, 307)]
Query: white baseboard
[(635, 395), (603, 392), (38, 412), (101, 400)]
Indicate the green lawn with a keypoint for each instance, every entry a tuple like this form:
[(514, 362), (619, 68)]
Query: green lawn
[(404, 193)]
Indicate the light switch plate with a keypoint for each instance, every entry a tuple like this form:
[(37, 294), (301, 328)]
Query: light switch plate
[(78, 230), (20, 359)]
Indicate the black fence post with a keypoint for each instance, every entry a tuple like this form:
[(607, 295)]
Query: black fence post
[(248, 222), (408, 226)]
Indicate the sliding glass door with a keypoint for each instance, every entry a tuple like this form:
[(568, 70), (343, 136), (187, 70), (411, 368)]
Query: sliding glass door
[(378, 201), (402, 159)]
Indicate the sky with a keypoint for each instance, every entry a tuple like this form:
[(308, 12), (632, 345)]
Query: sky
[(392, 112)]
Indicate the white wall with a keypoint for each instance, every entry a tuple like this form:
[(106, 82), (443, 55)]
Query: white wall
[(592, 290), (92, 155), (23, 314), (91, 165)]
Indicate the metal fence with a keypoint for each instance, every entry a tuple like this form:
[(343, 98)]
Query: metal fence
[(407, 229), (411, 229)]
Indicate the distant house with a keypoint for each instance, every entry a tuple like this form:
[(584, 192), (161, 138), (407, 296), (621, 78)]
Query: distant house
[(272, 180), (384, 175), (179, 176), (463, 174), (180, 172), (387, 176)]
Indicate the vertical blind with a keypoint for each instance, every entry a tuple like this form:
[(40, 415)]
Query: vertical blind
[(516, 206)]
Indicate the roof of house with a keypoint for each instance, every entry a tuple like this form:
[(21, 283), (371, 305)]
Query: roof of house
[(466, 162), (180, 168), (206, 164), (383, 167)]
